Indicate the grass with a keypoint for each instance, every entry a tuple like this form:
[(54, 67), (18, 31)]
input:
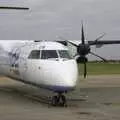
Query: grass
[(101, 68)]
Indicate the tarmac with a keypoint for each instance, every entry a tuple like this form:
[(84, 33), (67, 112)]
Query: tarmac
[(95, 98)]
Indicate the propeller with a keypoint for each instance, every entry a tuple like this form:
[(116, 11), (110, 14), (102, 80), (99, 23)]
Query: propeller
[(14, 8), (84, 49)]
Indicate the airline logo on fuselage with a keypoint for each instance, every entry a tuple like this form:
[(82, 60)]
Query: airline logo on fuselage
[(14, 61)]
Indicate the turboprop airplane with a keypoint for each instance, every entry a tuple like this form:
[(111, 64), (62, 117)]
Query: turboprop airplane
[(46, 64)]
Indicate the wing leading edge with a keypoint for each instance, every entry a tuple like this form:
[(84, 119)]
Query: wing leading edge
[(105, 42)]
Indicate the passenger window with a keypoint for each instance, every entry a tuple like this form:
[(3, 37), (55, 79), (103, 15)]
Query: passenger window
[(35, 54), (46, 54)]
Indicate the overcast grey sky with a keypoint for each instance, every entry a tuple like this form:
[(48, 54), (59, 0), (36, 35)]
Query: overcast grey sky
[(50, 18)]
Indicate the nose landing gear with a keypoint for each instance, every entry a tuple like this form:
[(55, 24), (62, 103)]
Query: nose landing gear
[(59, 100)]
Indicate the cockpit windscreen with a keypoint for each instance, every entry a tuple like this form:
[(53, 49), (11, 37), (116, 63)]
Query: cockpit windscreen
[(47, 54), (35, 54), (64, 54)]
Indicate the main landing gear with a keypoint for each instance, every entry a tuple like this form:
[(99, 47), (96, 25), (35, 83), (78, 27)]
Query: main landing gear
[(59, 100)]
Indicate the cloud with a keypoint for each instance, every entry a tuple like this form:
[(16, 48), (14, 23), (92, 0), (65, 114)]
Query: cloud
[(98, 15), (50, 18)]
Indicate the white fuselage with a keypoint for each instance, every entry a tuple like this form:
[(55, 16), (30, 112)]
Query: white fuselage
[(43, 64)]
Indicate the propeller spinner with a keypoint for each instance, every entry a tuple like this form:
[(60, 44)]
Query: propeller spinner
[(84, 49)]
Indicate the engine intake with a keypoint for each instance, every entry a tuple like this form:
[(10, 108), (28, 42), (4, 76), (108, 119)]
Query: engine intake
[(81, 59)]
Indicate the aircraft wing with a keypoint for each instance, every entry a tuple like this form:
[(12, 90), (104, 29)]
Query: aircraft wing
[(104, 42), (90, 42)]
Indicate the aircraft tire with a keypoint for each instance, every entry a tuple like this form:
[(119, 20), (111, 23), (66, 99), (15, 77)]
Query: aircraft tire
[(63, 103), (54, 101)]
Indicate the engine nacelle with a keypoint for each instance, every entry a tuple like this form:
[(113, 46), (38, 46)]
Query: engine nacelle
[(81, 59)]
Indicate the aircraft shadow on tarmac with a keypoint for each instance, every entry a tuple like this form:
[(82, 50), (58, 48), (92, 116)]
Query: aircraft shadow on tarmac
[(23, 93), (96, 96)]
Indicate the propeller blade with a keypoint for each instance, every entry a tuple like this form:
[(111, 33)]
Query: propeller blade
[(98, 39), (82, 35), (98, 56), (85, 69), (16, 8)]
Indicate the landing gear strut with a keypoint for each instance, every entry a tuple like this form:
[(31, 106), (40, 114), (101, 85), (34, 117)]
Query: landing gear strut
[(59, 100)]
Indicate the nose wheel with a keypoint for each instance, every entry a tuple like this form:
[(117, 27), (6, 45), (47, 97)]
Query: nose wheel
[(59, 100)]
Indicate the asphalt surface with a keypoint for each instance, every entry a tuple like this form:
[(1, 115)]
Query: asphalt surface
[(96, 98)]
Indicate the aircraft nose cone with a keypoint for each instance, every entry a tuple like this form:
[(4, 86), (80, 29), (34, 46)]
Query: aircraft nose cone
[(68, 74), (61, 76)]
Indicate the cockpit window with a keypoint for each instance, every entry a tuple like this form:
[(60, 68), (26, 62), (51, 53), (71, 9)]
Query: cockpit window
[(64, 54), (47, 54), (35, 54)]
